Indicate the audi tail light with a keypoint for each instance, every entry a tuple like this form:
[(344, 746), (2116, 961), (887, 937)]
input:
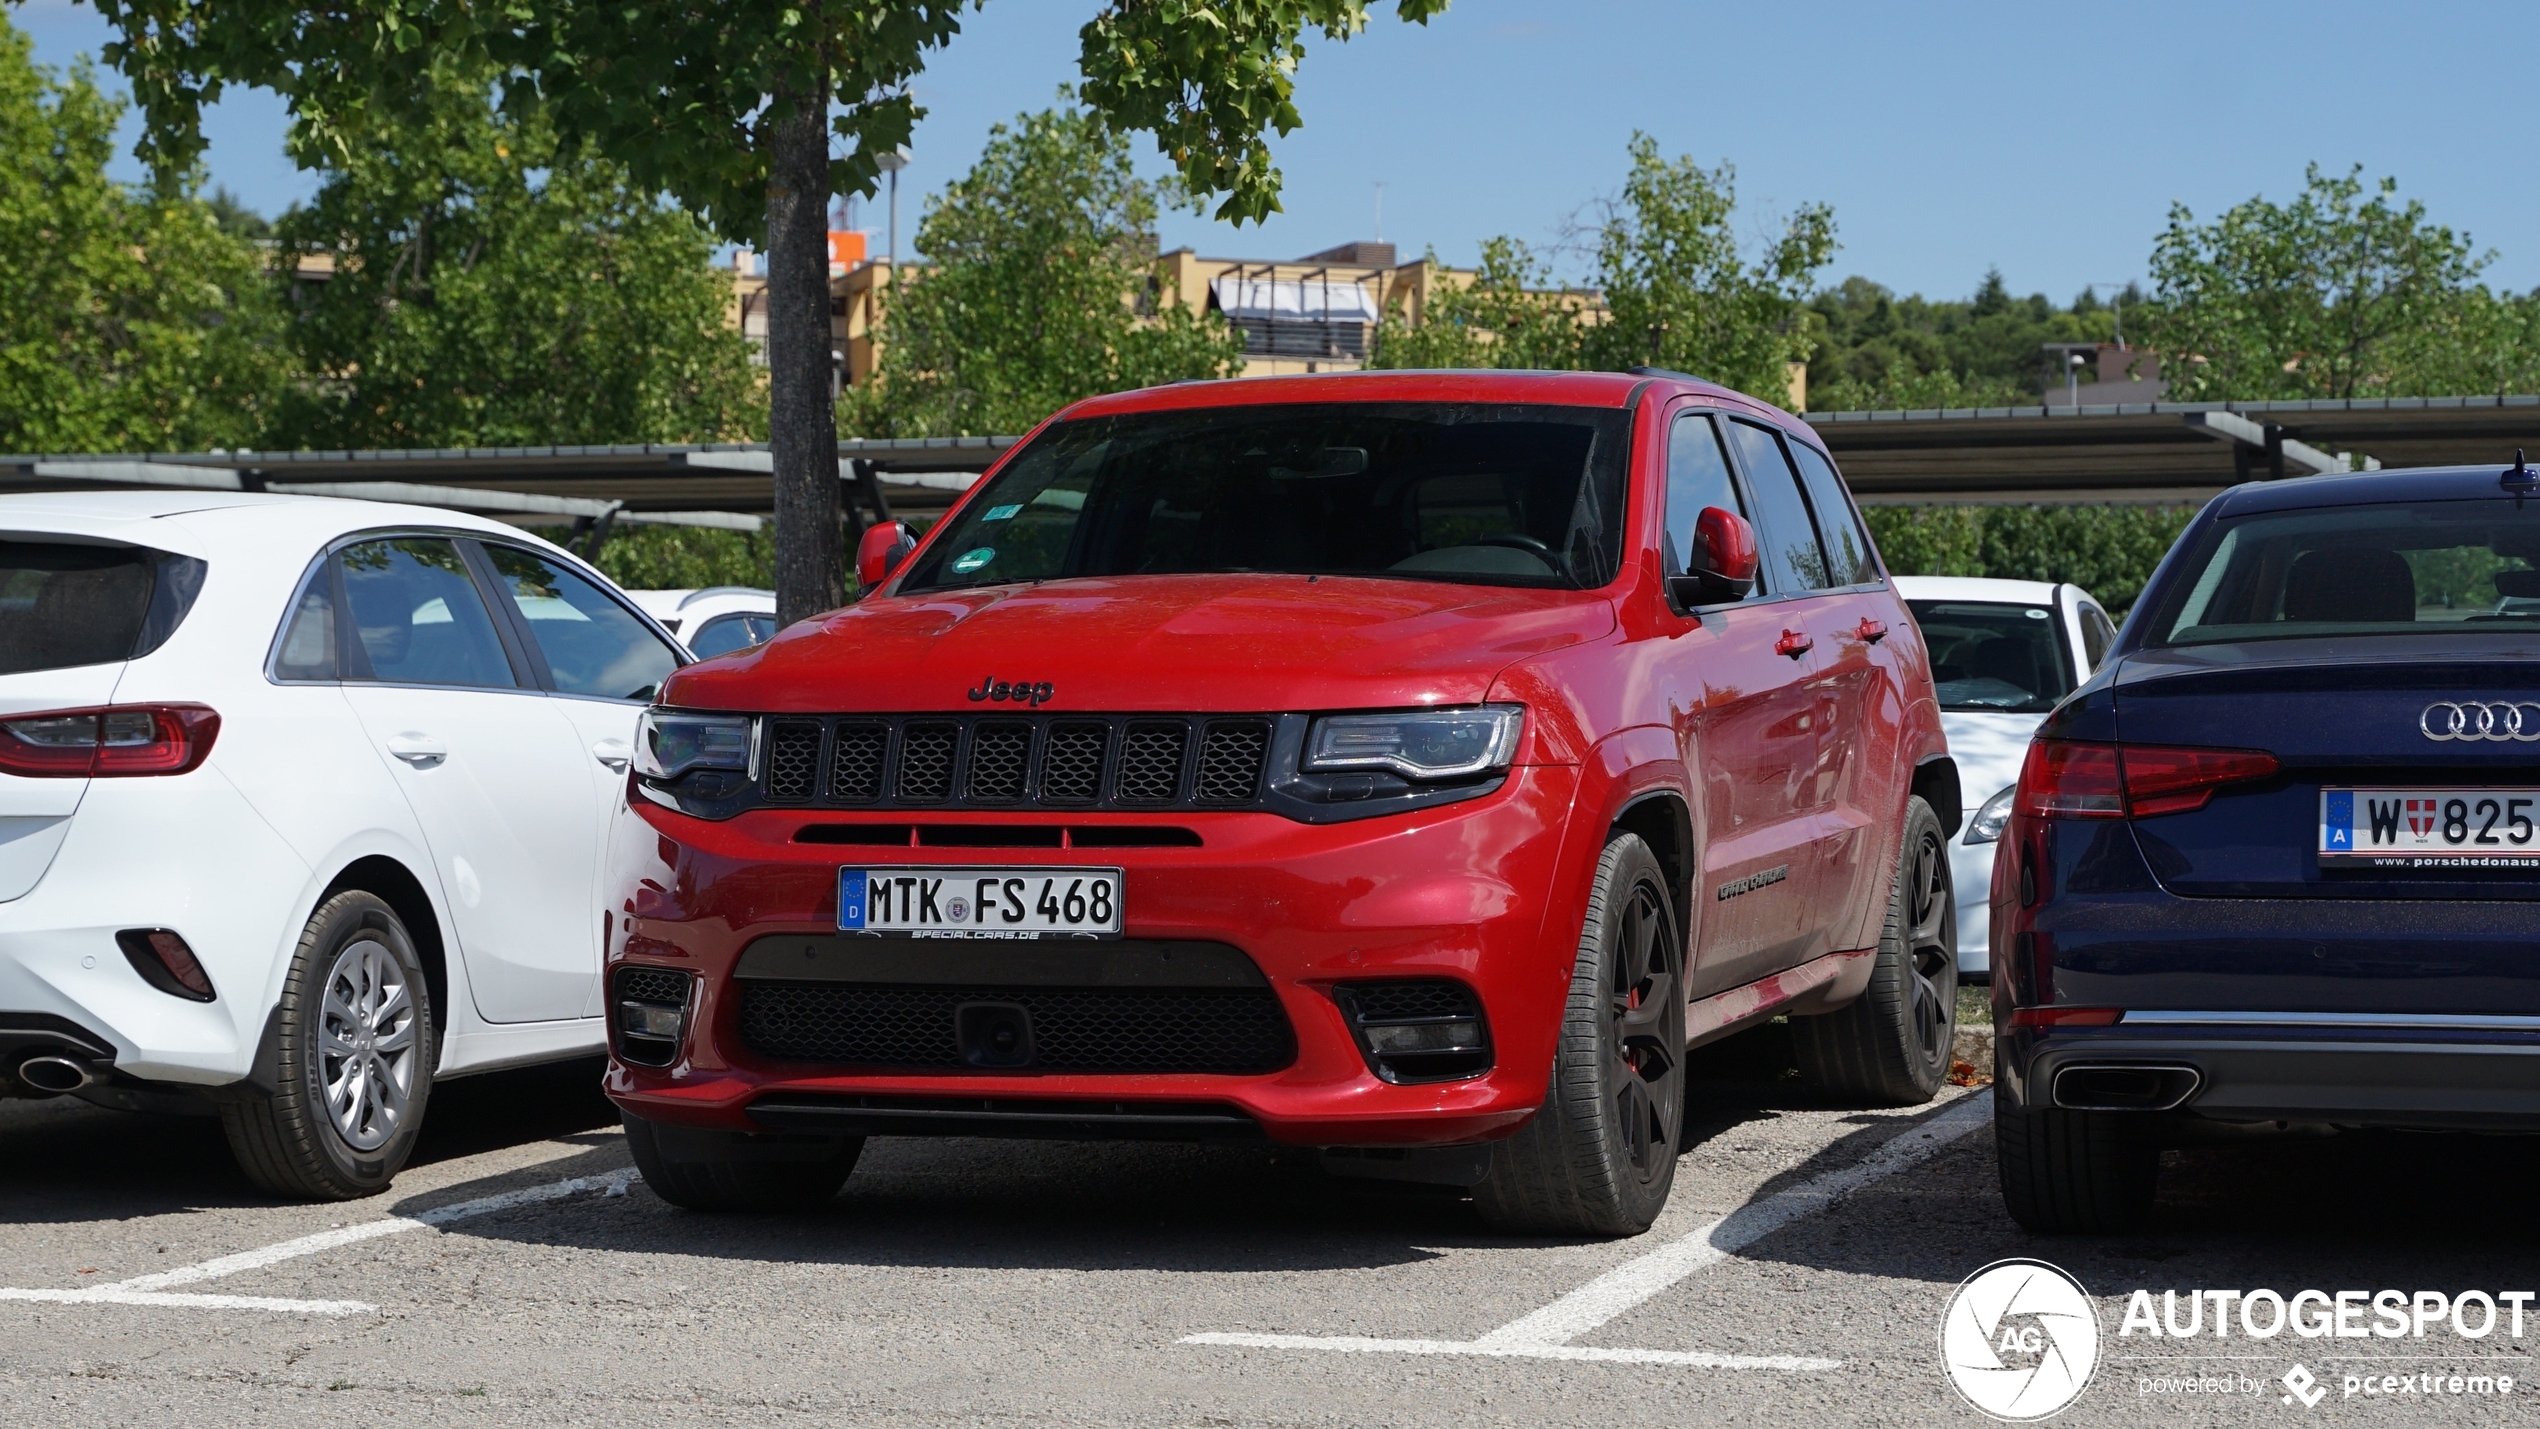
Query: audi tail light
[(108, 742), (2072, 779)]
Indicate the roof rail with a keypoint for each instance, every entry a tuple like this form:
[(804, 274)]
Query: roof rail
[(1667, 372)]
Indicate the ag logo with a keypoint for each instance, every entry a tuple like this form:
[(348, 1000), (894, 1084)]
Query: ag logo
[(2020, 1339)]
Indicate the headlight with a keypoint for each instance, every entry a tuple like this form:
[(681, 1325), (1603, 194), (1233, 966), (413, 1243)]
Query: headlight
[(1986, 826), (1419, 744), (669, 743)]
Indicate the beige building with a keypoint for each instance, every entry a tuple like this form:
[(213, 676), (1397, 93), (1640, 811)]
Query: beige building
[(1318, 313)]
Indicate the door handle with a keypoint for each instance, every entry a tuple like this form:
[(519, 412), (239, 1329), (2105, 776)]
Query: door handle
[(418, 749), (615, 753), (1871, 631), (1794, 643)]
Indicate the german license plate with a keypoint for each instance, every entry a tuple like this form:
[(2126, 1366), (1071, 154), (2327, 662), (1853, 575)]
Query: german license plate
[(981, 902), (2430, 828)]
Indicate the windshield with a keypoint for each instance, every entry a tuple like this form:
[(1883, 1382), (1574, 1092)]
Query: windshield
[(1494, 494), (2384, 569), (1989, 656)]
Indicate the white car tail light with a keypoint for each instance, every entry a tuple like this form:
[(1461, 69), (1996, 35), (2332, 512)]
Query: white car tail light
[(107, 742)]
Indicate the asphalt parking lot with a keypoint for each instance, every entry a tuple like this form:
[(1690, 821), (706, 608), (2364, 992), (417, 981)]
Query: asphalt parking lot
[(519, 1274)]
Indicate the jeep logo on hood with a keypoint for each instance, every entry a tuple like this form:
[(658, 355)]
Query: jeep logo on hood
[(1019, 691)]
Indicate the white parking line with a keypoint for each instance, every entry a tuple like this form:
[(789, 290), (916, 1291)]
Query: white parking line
[(154, 1289), (1546, 1333)]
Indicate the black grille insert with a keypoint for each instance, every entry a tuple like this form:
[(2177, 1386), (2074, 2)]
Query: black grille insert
[(855, 763), (1000, 756), (793, 760), (1230, 760), (1231, 1031), (1017, 761), (926, 762), (1151, 762), (1071, 764)]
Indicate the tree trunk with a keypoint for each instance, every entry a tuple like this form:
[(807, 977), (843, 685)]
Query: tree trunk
[(802, 427)]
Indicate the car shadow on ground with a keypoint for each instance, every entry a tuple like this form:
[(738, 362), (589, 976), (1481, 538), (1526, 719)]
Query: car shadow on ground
[(67, 1161)]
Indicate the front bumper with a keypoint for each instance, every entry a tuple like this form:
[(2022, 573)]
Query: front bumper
[(1481, 893)]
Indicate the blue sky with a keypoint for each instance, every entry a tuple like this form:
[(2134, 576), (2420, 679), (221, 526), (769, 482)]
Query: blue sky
[(2046, 139)]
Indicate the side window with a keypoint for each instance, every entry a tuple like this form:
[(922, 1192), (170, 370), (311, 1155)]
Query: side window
[(727, 633), (307, 651), (1838, 525), (592, 644), (1792, 560), (1697, 476), (2096, 635), (418, 617)]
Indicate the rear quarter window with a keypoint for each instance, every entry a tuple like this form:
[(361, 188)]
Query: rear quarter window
[(66, 603)]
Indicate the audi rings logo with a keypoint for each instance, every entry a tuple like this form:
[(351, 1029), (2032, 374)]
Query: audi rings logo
[(2495, 720)]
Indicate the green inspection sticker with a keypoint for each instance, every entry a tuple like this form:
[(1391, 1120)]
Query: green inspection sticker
[(969, 561)]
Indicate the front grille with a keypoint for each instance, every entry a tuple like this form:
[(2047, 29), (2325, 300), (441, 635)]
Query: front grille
[(926, 762), (793, 760), (1231, 1031), (1000, 755), (1008, 761)]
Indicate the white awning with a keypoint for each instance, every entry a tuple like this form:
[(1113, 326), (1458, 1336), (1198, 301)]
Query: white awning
[(1283, 300)]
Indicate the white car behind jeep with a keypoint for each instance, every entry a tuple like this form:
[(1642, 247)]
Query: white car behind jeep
[(302, 805), (2003, 654)]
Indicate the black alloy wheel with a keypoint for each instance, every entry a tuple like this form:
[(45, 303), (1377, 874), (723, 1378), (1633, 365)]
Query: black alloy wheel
[(1600, 1157), (1648, 1077), (1891, 1045)]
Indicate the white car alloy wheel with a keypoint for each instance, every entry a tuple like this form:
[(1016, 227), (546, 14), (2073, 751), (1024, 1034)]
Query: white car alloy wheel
[(366, 1044)]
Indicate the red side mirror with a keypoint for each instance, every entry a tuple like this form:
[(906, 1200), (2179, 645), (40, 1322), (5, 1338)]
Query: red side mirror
[(880, 552), (1723, 561)]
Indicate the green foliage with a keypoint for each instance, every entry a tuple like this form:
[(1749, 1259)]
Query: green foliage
[(1678, 291), (2110, 551), (128, 321), (1027, 307), (492, 288), (1512, 315), (1880, 352), (1210, 77), (2335, 294), (684, 557), (235, 218)]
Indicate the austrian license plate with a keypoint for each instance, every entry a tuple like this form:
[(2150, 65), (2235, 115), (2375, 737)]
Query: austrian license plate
[(981, 902), (2430, 828)]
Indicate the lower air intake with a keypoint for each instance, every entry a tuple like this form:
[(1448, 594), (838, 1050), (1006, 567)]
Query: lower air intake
[(1228, 1031)]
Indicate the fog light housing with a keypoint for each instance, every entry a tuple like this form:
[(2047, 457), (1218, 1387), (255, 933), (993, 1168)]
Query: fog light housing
[(1417, 1030), (652, 1014)]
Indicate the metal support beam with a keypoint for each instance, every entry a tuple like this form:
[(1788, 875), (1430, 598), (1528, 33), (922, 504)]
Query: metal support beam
[(138, 473), (2265, 443)]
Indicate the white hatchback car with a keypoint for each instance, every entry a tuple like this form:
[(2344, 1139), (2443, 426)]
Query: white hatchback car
[(2002, 654), (303, 804), (716, 620)]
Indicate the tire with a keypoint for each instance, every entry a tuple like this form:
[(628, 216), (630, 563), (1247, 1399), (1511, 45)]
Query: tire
[(1890, 1045), (2073, 1172), (356, 1043), (682, 1168), (1600, 1157)]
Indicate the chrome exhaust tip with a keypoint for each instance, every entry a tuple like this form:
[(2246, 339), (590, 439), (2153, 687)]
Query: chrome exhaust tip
[(55, 1074), (2126, 1086)]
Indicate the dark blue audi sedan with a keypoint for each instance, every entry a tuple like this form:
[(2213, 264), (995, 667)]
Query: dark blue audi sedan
[(2277, 864)]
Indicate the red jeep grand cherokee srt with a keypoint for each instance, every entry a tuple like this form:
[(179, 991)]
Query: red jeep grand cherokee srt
[(1410, 765)]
